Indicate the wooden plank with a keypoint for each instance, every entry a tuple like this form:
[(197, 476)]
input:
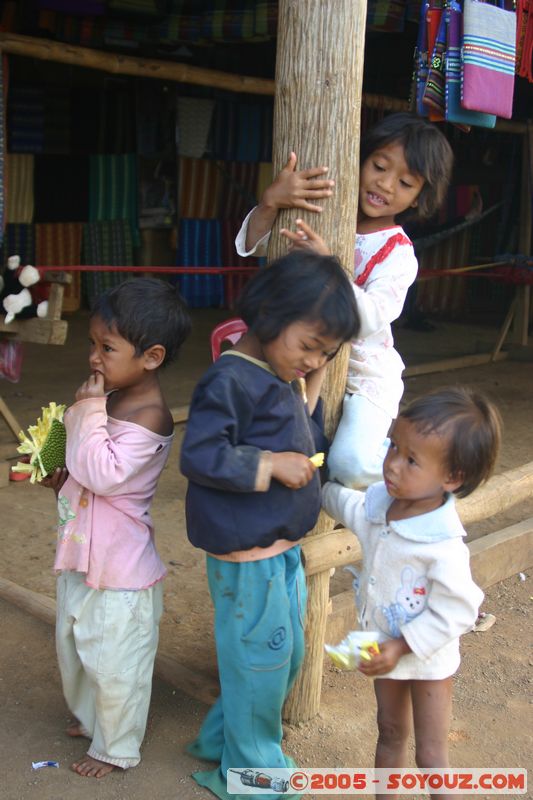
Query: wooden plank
[(12, 422), (472, 360), (330, 549), (501, 554), (180, 414), (194, 683), (40, 331), (498, 494)]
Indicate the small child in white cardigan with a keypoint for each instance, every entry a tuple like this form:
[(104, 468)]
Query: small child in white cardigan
[(415, 587)]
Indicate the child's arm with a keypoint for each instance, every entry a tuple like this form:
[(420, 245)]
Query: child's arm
[(291, 188), (212, 455), (344, 505)]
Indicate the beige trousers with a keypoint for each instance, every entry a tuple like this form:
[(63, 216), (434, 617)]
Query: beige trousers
[(106, 644)]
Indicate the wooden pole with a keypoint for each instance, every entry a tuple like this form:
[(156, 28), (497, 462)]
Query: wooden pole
[(319, 73)]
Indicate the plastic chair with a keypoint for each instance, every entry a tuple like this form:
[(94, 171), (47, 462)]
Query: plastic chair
[(230, 330)]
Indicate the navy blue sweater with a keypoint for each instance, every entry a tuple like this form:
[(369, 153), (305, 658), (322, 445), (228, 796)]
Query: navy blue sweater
[(238, 410)]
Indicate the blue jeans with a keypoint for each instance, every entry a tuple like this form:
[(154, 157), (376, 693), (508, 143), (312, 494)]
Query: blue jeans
[(259, 633)]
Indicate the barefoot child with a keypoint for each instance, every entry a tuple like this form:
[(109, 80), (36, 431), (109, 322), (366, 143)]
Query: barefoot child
[(406, 165), (254, 493), (415, 587), (109, 591)]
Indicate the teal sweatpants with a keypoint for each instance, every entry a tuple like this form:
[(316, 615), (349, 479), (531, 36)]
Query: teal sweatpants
[(259, 634)]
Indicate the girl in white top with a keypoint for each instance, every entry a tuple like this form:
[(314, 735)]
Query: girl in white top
[(415, 588), (406, 165)]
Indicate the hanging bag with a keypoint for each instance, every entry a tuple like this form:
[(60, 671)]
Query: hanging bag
[(433, 97), (454, 111), (488, 54)]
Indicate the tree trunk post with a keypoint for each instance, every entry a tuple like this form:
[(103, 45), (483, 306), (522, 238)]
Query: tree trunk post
[(319, 75)]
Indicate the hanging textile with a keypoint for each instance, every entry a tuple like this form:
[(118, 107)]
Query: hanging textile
[(238, 191), (107, 243), (193, 124), (199, 245), (19, 170), (57, 245), (19, 239), (199, 182), (113, 185)]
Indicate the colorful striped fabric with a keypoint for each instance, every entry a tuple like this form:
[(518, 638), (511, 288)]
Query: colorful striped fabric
[(239, 186), (57, 245), (107, 243), (19, 170), (200, 245), (242, 130), (489, 49), (113, 190), (454, 111), (234, 283), (25, 119), (199, 187)]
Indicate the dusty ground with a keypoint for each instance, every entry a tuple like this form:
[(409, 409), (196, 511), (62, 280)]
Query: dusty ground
[(493, 711)]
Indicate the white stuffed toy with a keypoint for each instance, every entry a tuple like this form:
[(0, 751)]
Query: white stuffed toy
[(17, 299)]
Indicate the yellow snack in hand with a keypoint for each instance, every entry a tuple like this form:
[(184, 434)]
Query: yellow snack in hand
[(317, 459), (369, 649)]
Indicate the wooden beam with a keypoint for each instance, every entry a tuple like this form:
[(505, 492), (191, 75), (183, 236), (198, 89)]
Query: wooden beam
[(40, 331), (499, 555), (330, 550), (48, 50), (194, 683), (180, 414), (319, 75), (460, 362), (498, 494)]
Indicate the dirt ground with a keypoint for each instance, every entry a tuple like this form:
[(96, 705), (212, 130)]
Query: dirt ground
[(493, 699)]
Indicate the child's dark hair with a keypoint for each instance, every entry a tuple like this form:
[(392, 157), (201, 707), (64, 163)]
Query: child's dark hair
[(145, 312), (427, 153), (300, 286), (473, 425)]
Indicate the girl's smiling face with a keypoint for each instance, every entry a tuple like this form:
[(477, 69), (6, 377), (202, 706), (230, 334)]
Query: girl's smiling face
[(386, 187), (300, 348)]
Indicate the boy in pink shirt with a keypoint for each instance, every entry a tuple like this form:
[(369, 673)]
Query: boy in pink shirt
[(109, 592)]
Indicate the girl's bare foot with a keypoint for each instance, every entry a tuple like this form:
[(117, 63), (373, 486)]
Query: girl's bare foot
[(92, 768), (75, 729)]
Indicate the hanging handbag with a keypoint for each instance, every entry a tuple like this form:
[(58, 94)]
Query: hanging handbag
[(454, 111), (433, 96), (489, 47)]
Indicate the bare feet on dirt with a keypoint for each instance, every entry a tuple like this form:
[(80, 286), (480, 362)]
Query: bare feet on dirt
[(91, 767), (75, 729)]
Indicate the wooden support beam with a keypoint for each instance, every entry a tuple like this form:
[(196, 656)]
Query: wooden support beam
[(40, 331), (498, 494), (330, 550), (460, 362), (180, 414), (194, 683), (499, 555), (319, 75)]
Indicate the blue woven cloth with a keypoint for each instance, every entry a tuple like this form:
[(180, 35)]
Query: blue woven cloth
[(200, 245)]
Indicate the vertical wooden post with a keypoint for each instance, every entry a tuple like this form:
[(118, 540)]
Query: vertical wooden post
[(319, 73), (523, 293)]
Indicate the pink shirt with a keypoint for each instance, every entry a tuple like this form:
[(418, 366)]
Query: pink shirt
[(105, 528)]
